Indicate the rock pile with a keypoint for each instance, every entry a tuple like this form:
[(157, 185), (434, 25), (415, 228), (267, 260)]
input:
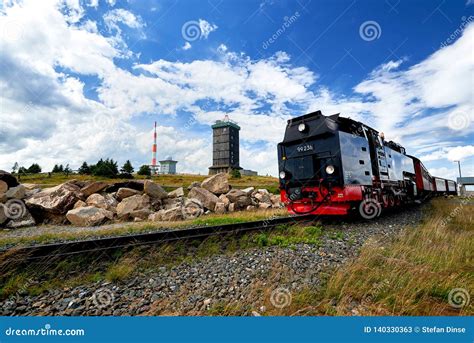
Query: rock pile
[(88, 203)]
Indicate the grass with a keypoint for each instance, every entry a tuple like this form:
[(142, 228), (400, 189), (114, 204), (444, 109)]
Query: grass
[(412, 274), (289, 236), (130, 228), (119, 271), (68, 272), (168, 181), (409, 274)]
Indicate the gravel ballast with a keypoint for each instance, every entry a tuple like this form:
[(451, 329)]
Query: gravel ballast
[(233, 279)]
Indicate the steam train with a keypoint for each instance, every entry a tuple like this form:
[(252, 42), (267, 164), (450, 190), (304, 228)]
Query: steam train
[(331, 165)]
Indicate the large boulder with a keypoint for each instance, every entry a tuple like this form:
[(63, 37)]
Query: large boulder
[(3, 186), (172, 203), (88, 216), (239, 198), (31, 192), (30, 186), (276, 201), (262, 197), (154, 190), (234, 194), (207, 199), (224, 199), (133, 203), (93, 187), (192, 209), (18, 192), (194, 184), (107, 202), (16, 212), (24, 221), (217, 184), (177, 193), (59, 199), (142, 213), (136, 185), (220, 208), (173, 214), (8, 178), (124, 192), (248, 190), (3, 216), (80, 203)]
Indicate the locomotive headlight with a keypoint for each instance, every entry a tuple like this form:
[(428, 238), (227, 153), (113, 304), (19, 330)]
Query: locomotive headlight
[(302, 127), (330, 169), (282, 174)]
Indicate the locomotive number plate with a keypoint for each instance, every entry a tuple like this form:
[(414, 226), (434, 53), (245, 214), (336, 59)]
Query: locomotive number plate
[(304, 148)]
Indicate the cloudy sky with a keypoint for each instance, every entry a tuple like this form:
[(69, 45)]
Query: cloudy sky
[(81, 80)]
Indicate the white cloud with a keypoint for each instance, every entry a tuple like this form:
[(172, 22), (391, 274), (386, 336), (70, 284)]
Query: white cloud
[(460, 152), (47, 119), (435, 83), (115, 16), (451, 153), (206, 28), (93, 3), (187, 46)]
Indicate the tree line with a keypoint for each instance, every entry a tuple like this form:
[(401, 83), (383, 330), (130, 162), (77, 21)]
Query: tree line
[(104, 167)]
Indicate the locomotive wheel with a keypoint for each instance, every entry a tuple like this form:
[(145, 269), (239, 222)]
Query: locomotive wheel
[(391, 200), (398, 201), (370, 209)]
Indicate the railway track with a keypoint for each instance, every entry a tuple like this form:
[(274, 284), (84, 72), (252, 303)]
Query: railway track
[(125, 241)]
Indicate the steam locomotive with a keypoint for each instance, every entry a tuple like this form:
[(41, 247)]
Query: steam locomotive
[(331, 165)]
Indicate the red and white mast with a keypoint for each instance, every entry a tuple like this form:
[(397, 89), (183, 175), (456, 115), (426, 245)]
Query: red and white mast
[(153, 153)]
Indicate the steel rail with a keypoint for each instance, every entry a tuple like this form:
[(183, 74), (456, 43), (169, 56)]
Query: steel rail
[(156, 237)]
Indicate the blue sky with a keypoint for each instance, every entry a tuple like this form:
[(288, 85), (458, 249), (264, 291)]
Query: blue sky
[(85, 80)]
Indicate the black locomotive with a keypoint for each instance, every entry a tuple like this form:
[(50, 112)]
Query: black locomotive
[(333, 165)]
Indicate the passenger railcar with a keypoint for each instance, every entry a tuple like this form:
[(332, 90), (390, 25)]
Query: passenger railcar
[(333, 165)]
